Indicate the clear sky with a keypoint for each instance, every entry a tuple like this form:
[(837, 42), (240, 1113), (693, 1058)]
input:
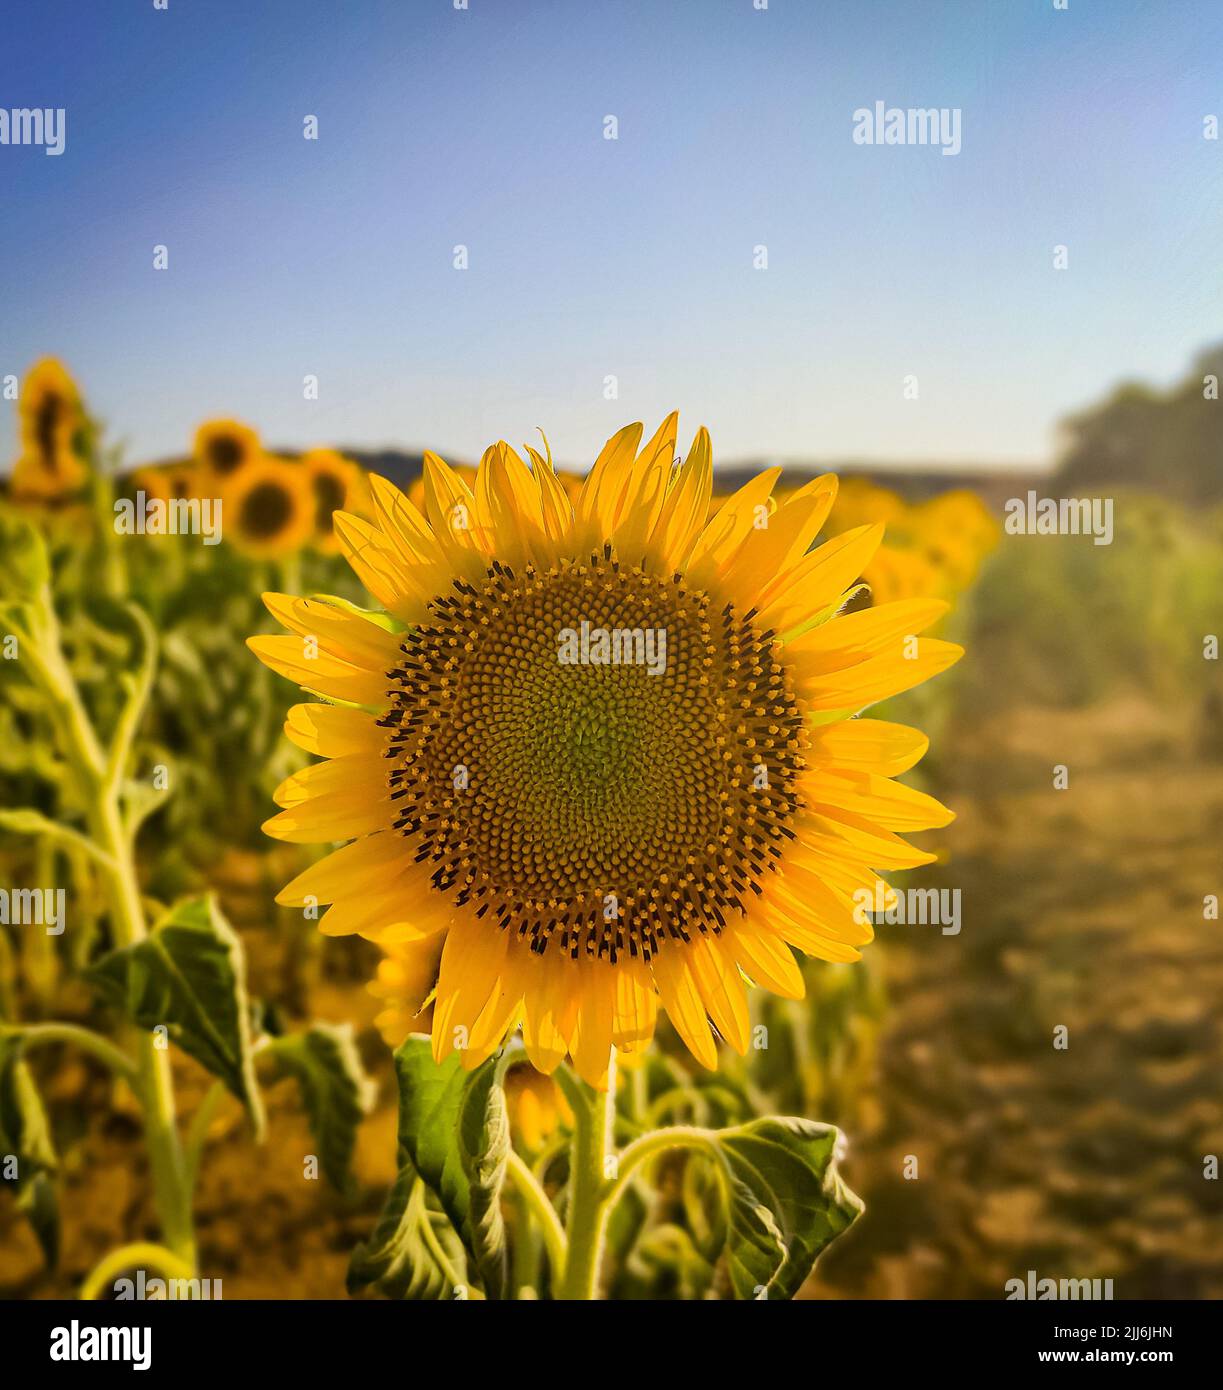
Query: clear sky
[(591, 257)]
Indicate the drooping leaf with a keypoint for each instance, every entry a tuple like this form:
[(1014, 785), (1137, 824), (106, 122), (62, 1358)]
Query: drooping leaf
[(336, 1091), (25, 1138), (189, 975), (413, 1253), (791, 1190), (454, 1129)]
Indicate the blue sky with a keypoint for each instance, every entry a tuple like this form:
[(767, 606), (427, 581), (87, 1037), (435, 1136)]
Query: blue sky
[(591, 257)]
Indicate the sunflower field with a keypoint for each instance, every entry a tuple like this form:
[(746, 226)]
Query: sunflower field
[(517, 947), (465, 890)]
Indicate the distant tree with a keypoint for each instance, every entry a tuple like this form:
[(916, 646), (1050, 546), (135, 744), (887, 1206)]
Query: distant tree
[(1168, 442)]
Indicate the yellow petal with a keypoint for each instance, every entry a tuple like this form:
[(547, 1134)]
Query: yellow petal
[(847, 641), (819, 579), (868, 745), (682, 1001), (855, 687), (334, 730), (721, 988), (292, 658)]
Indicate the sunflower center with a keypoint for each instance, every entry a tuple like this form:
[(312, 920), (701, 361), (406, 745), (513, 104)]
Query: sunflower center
[(224, 454), (592, 757), (266, 510), (46, 426), (328, 498)]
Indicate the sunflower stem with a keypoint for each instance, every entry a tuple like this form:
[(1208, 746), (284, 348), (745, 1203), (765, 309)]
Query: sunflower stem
[(535, 1201), (37, 1034), (594, 1115), (98, 783)]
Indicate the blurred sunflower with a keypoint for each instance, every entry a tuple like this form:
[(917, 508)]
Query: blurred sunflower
[(593, 840), (54, 430), (403, 983), (224, 448), (333, 480), (166, 481), (268, 508), (537, 1109)]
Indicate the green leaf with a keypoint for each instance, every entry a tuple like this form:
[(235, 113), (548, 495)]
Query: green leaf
[(788, 1192), (413, 1252), (454, 1129), (25, 1134), (335, 1088), (189, 975), (26, 570)]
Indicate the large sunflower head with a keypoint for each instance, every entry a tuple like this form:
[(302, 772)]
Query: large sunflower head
[(224, 448), (54, 434), (333, 480), (268, 508), (605, 750)]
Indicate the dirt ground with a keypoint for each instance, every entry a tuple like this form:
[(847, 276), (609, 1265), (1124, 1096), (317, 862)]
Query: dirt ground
[(1082, 908)]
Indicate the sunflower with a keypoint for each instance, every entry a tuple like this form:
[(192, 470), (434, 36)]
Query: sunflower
[(166, 481), (268, 508), (54, 431), (334, 481), (594, 838), (536, 1107), (403, 984), (224, 448)]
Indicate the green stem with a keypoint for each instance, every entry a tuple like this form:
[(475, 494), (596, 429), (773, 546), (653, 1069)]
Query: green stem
[(99, 791), (171, 1181), (35, 1034), (141, 1255), (589, 1188), (536, 1200), (197, 1131), (656, 1142)]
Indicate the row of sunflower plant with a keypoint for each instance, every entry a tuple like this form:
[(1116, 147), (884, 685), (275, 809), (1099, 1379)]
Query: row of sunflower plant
[(557, 862), (135, 745)]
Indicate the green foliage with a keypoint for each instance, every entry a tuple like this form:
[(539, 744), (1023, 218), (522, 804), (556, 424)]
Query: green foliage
[(789, 1202), (1164, 442), (1061, 621), (26, 568), (335, 1088), (25, 1136), (414, 1252), (454, 1133), (189, 975)]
